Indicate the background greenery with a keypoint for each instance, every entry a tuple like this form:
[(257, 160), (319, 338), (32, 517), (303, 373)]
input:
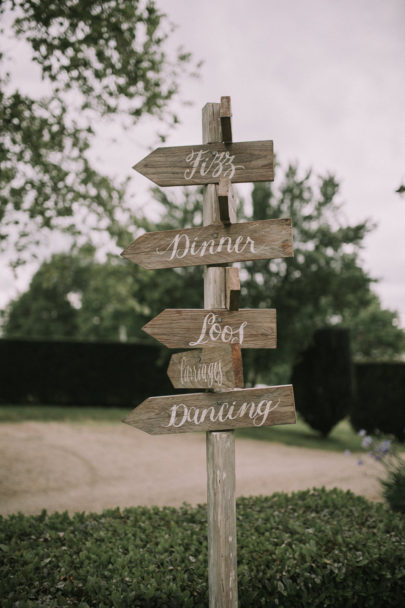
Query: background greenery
[(99, 62), (313, 548), (323, 285)]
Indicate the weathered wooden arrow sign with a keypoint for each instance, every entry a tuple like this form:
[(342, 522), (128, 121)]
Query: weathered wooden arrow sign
[(216, 368), (251, 407), (249, 161), (196, 328), (213, 244)]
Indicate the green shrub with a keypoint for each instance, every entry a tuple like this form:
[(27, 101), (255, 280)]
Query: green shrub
[(323, 380), (387, 451), (380, 398), (394, 486), (313, 548)]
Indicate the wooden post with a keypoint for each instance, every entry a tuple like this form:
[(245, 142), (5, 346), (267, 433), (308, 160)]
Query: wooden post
[(222, 563)]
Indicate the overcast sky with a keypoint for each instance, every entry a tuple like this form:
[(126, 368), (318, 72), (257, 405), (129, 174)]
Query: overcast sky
[(325, 80)]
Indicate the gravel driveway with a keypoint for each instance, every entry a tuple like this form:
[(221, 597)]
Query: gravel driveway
[(86, 467)]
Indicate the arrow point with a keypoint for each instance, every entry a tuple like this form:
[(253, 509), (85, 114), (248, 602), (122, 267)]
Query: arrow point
[(146, 328), (140, 166)]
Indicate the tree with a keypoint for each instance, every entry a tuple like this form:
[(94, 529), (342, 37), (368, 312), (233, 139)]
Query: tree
[(99, 59), (74, 296), (323, 285)]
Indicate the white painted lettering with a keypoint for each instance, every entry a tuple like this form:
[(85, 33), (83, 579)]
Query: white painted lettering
[(215, 163), (258, 413), (225, 333), (180, 246)]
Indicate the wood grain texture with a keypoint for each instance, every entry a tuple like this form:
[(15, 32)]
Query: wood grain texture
[(216, 368), (237, 409), (214, 287), (238, 365), (249, 161), (226, 201), (221, 510), (213, 244), (225, 115), (211, 123), (202, 328), (232, 288), (221, 515)]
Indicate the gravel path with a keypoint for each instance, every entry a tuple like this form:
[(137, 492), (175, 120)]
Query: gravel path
[(73, 467)]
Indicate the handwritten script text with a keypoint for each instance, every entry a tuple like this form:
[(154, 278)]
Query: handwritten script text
[(182, 414), (209, 373), (214, 331), (182, 245), (204, 162)]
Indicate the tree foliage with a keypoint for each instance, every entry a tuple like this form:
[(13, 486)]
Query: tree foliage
[(98, 58), (74, 296), (324, 284)]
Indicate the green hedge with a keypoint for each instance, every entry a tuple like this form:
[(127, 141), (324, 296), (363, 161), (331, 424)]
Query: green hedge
[(380, 398), (313, 548), (80, 373), (323, 379)]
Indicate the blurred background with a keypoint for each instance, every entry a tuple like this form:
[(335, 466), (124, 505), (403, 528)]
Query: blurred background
[(89, 88)]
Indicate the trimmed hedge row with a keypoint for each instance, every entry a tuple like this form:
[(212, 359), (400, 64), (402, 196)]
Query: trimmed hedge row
[(379, 404), (80, 373), (313, 548)]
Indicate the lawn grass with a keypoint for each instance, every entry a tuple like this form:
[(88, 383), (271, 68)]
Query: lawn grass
[(60, 413), (340, 439)]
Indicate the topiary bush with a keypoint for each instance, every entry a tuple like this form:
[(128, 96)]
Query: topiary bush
[(313, 548), (323, 379), (380, 399)]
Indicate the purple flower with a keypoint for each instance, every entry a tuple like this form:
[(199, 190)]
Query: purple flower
[(362, 433), (385, 446), (366, 441), (359, 462)]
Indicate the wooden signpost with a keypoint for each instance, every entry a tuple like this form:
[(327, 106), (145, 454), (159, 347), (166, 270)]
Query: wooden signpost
[(213, 244), (219, 331)]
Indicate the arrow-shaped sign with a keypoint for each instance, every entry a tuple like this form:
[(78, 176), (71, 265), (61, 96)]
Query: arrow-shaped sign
[(196, 328), (213, 244), (249, 161), (251, 407), (216, 368)]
